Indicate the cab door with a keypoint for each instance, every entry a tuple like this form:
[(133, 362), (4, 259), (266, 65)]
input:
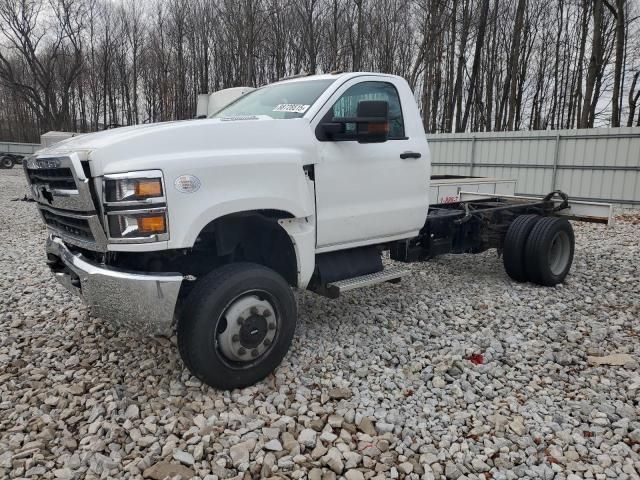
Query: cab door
[(368, 193)]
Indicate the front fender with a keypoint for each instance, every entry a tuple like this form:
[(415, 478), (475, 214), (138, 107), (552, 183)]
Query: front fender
[(220, 210), (241, 166)]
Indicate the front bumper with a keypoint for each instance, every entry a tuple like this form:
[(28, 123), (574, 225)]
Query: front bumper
[(138, 301)]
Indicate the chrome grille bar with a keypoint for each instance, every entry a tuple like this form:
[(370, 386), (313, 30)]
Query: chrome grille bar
[(61, 189), (82, 230), (59, 182)]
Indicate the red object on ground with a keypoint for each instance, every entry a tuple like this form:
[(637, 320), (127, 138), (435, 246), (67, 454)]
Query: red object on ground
[(476, 359)]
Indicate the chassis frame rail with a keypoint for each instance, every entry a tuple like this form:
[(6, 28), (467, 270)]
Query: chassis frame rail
[(479, 222), (582, 211)]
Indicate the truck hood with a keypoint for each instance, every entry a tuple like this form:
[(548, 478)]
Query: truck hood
[(92, 141), (138, 147)]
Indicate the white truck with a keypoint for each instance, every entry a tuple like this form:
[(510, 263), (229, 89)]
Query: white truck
[(204, 226)]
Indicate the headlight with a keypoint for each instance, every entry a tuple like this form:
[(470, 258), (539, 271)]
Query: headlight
[(131, 224), (134, 187), (135, 207)]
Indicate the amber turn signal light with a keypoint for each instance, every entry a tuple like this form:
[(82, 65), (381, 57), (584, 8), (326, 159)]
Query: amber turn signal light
[(148, 187), (378, 128), (152, 224)]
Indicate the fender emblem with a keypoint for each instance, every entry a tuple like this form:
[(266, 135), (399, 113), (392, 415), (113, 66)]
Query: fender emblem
[(187, 184)]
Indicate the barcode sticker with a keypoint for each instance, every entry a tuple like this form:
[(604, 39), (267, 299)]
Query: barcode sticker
[(291, 108)]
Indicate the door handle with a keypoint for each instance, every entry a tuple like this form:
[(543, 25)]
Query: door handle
[(405, 155)]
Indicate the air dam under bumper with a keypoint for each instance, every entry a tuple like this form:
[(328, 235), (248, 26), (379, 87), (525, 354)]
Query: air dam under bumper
[(137, 301)]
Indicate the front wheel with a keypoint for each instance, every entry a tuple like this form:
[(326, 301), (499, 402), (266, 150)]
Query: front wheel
[(237, 325)]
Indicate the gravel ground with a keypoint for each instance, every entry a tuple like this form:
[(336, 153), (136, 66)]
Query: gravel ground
[(456, 373)]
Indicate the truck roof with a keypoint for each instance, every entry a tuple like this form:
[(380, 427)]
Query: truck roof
[(331, 76)]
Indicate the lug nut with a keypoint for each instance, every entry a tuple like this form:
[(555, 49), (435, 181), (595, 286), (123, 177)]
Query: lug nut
[(254, 310), (254, 353), (235, 338), (266, 342), (272, 326), (267, 313), (241, 351), (240, 320)]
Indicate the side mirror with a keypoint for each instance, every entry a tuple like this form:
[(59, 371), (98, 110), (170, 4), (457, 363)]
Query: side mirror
[(371, 124)]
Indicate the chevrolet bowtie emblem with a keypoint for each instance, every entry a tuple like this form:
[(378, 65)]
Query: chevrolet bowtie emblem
[(41, 193)]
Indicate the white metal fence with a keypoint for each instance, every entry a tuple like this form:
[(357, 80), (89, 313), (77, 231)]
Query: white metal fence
[(590, 164)]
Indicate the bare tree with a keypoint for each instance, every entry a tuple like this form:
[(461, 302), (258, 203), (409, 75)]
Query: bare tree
[(474, 64)]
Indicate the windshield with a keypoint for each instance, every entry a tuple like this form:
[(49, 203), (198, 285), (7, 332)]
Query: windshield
[(280, 100)]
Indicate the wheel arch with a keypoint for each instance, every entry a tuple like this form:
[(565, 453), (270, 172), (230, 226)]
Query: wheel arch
[(255, 236)]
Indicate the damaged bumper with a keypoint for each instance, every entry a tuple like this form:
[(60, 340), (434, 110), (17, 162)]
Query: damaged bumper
[(135, 300)]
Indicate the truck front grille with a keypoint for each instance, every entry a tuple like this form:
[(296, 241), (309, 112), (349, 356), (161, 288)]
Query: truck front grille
[(61, 186), (54, 178), (75, 227)]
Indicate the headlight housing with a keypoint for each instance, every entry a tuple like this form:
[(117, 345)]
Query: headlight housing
[(135, 207), (134, 188), (137, 224)]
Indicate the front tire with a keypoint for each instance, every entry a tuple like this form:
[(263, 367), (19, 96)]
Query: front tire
[(549, 251), (237, 325)]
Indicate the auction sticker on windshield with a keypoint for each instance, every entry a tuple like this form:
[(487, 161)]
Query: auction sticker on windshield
[(291, 107)]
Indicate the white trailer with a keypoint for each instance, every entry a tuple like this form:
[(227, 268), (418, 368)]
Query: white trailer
[(12, 153)]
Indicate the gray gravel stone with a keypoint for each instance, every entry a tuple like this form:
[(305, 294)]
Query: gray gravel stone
[(388, 377), (184, 457), (354, 475), (307, 437), (273, 445)]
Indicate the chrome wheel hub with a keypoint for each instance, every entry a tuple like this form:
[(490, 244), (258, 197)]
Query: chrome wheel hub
[(251, 326)]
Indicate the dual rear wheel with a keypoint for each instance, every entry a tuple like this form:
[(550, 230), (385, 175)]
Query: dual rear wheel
[(538, 249)]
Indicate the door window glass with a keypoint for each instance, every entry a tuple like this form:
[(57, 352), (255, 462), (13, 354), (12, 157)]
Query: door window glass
[(347, 105)]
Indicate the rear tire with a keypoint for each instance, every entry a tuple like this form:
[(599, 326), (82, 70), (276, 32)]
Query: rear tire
[(237, 325), (549, 251), (6, 162), (514, 244)]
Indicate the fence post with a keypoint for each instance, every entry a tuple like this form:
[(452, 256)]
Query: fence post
[(555, 163), (472, 159)]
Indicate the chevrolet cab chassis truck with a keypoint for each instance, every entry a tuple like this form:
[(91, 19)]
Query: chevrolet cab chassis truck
[(203, 227)]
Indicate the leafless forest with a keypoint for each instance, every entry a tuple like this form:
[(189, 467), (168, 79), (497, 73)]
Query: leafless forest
[(474, 64)]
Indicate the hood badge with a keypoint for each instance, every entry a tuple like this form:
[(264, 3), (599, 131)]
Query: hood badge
[(187, 184)]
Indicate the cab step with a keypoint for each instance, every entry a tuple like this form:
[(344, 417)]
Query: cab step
[(389, 274)]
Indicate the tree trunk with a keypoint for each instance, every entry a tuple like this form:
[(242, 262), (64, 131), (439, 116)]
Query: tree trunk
[(595, 64), (513, 63), (482, 26), (457, 91), (633, 99), (617, 74)]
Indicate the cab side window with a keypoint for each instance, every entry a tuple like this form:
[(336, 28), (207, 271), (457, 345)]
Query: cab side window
[(347, 105)]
